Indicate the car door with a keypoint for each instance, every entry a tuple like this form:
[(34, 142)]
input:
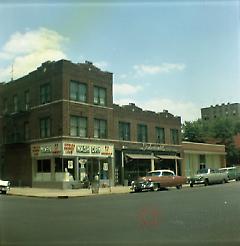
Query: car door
[(167, 179)]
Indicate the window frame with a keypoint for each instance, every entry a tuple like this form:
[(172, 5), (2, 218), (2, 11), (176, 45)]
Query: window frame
[(124, 131), (142, 135), (75, 94), (99, 99), (45, 93), (45, 127), (98, 123), (79, 126)]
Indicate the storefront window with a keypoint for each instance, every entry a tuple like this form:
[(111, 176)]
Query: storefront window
[(44, 166)]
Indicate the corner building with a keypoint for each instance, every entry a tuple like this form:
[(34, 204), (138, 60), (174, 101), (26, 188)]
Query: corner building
[(59, 127)]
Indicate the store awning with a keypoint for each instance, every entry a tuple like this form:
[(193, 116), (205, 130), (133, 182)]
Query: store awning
[(140, 156), (169, 157)]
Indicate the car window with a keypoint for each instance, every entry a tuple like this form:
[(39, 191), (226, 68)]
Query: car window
[(154, 174), (201, 171), (167, 174)]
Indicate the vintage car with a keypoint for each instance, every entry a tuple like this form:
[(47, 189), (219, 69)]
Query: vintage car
[(4, 186), (233, 173), (208, 176), (158, 179)]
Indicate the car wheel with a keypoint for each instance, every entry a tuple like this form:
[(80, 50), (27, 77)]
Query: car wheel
[(179, 187), (191, 184), (206, 182), (4, 192)]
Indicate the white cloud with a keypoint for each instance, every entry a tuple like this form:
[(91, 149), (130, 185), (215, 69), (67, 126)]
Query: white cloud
[(187, 110), (28, 50), (125, 89), (163, 68)]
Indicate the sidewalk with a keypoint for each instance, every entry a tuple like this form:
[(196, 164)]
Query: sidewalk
[(58, 193)]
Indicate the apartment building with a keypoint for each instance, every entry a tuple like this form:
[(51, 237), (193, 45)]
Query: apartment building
[(59, 126), (229, 110)]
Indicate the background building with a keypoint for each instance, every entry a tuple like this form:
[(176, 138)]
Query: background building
[(228, 110)]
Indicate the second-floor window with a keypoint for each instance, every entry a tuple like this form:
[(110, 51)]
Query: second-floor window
[(78, 126), (45, 127), (142, 135), (45, 93), (5, 105), (160, 135), (124, 131), (100, 128), (100, 96), (26, 100), (78, 91), (174, 134), (15, 104), (26, 131)]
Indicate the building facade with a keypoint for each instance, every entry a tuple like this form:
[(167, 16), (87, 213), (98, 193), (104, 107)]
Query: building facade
[(200, 155), (229, 110), (59, 127)]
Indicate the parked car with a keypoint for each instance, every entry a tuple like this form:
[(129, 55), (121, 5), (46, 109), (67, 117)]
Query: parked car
[(208, 176), (233, 173), (4, 186), (158, 179)]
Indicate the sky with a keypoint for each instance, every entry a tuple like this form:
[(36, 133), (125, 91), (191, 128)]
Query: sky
[(174, 55)]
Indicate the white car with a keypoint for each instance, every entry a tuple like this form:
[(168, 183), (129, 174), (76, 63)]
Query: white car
[(4, 186)]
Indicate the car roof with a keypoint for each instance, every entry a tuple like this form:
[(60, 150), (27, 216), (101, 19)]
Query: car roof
[(227, 168), (162, 170)]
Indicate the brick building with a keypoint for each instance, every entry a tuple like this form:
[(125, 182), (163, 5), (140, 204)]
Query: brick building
[(229, 110), (58, 125)]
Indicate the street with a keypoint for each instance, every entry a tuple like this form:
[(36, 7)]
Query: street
[(190, 216)]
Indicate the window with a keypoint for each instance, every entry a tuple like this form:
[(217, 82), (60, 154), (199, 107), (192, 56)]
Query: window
[(142, 133), (174, 133), (78, 126), (100, 128), (45, 94), (45, 127), (26, 131), (15, 103), (202, 166), (44, 166), (26, 100), (124, 131), (99, 96), (160, 135), (78, 91), (5, 106)]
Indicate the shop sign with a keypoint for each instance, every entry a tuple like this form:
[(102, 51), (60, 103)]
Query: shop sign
[(70, 164), (96, 150), (39, 150)]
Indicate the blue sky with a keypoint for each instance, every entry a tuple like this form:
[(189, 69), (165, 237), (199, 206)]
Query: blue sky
[(174, 55)]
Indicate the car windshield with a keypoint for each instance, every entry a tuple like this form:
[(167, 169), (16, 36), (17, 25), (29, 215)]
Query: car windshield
[(204, 170)]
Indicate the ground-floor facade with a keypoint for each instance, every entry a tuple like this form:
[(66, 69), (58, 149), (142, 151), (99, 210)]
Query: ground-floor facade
[(77, 163)]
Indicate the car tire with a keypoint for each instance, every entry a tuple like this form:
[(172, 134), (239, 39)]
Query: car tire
[(191, 185), (4, 192), (206, 182), (179, 187)]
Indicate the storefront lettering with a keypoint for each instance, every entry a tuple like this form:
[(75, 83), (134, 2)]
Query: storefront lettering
[(45, 149), (95, 150), (83, 149), (69, 148)]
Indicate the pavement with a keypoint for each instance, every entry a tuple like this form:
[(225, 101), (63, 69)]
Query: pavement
[(66, 193)]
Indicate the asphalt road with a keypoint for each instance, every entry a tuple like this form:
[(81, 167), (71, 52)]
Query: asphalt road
[(191, 216)]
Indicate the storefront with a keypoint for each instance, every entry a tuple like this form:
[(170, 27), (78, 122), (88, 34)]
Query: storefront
[(70, 164)]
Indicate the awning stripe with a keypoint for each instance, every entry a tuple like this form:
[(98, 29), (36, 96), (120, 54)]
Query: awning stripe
[(140, 156), (169, 157)]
